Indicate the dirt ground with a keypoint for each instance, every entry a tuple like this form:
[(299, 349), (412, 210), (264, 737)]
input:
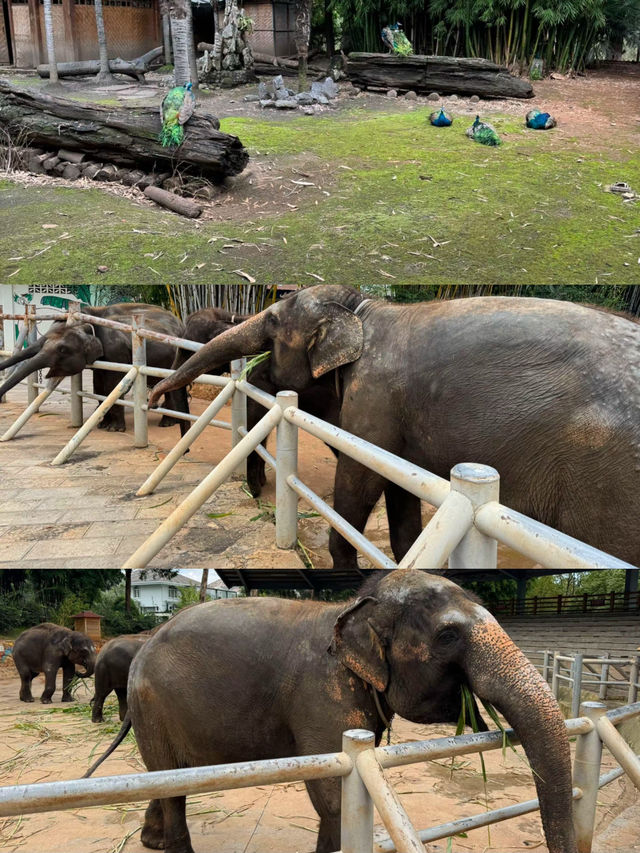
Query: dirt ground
[(48, 743)]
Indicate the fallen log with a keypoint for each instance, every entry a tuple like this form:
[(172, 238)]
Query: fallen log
[(126, 136), (131, 67), (446, 75), (174, 202)]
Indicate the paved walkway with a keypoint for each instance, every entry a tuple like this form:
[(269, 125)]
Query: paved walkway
[(84, 514)]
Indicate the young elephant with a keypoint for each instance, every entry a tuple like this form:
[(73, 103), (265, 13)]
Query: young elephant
[(47, 648), (255, 678), (112, 672)]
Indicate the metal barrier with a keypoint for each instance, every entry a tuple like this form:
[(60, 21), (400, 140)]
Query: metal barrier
[(464, 531), (578, 673), (361, 766), (587, 602)]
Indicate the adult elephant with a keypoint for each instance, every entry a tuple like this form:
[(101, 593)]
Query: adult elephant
[(47, 648), (112, 672), (545, 391), (299, 673), (67, 349), (320, 399)]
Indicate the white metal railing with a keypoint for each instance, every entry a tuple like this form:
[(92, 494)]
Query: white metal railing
[(361, 767), (464, 531)]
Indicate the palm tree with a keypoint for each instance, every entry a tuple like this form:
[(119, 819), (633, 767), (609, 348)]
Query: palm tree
[(51, 50), (203, 584), (105, 75), (166, 31), (303, 33), (184, 55)]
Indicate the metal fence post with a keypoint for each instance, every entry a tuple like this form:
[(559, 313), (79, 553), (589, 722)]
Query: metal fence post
[(545, 666), (32, 337), (139, 359), (633, 681), (480, 484), (238, 414), (554, 674), (576, 684), (356, 829), (77, 414), (586, 776), (604, 677), (286, 464)]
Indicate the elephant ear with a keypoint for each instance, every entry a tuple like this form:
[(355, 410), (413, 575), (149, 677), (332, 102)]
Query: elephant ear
[(92, 344), (338, 339), (62, 640), (358, 645)]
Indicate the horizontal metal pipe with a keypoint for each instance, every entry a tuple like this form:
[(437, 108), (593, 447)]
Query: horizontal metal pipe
[(261, 450), (149, 334), (464, 824), (445, 747), (357, 539), (412, 478), (205, 379), (262, 397), (541, 543), (31, 409), (192, 503), (57, 796), (619, 715), (620, 749)]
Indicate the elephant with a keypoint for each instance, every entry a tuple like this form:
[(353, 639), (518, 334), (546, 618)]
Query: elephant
[(47, 648), (68, 349), (112, 671), (257, 678), (545, 391)]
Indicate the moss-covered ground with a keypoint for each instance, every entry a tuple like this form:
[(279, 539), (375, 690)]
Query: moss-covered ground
[(397, 198)]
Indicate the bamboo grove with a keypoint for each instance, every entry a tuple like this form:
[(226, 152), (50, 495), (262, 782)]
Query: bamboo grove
[(564, 34)]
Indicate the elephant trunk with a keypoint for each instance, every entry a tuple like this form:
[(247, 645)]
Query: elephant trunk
[(500, 673), (23, 354), (89, 668), (36, 363), (245, 339)]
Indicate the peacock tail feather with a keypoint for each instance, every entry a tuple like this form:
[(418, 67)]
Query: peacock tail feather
[(440, 118), (483, 132), (177, 106), (171, 134)]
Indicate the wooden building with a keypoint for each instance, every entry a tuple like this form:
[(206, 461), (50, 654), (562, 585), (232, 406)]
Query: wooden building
[(133, 27)]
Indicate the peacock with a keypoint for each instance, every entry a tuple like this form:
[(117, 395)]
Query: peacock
[(441, 118), (176, 110), (537, 120), (396, 40), (482, 132)]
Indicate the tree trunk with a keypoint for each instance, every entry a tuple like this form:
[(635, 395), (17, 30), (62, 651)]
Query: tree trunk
[(184, 67), (126, 136), (166, 39), (105, 74), (51, 50), (127, 590), (303, 33), (203, 584), (329, 33), (133, 68)]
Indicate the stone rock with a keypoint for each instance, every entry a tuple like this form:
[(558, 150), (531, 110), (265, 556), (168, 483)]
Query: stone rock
[(434, 96), (286, 104), (392, 93), (267, 102), (411, 96), (252, 98), (474, 99), (263, 91), (305, 99), (322, 99), (452, 98), (278, 82), (330, 87), (353, 91), (227, 32), (309, 111)]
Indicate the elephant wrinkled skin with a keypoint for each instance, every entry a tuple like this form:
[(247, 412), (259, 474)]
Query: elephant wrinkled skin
[(545, 391), (47, 648), (112, 672), (257, 678)]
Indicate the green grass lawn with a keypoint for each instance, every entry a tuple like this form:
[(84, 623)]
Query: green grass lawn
[(404, 199)]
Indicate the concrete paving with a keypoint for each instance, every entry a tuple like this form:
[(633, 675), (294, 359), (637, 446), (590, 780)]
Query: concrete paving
[(85, 514)]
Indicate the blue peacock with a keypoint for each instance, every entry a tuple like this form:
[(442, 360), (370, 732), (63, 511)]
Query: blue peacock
[(176, 110), (396, 40), (483, 132), (538, 120), (441, 118)]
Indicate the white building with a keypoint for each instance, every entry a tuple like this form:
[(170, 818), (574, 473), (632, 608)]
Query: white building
[(156, 594)]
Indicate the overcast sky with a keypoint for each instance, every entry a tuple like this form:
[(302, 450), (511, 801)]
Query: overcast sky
[(196, 574)]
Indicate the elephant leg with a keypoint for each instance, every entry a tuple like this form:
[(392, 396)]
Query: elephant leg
[(97, 704), (256, 476), (325, 796), (68, 673), (49, 684), (152, 834), (404, 513), (176, 833), (26, 677), (356, 492), (179, 402), (103, 383), (121, 693)]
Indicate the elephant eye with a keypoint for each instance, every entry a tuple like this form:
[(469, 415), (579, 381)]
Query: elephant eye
[(447, 636), (63, 350)]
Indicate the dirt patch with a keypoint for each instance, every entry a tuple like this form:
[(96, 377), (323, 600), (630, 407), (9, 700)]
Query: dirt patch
[(49, 743)]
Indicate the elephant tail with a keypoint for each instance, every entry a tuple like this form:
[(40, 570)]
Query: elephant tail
[(124, 730)]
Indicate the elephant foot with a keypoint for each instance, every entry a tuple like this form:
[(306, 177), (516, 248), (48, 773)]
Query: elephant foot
[(45, 700), (27, 699), (97, 719), (166, 421), (67, 698), (152, 838)]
